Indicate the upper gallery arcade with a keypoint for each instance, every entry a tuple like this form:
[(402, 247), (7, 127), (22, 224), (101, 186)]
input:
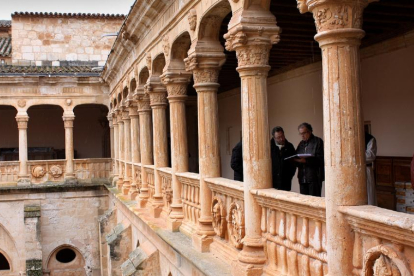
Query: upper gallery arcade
[(184, 82)]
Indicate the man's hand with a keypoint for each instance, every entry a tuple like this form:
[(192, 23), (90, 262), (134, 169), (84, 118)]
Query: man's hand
[(300, 160)]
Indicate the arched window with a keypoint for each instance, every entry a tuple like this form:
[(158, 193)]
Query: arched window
[(4, 264)]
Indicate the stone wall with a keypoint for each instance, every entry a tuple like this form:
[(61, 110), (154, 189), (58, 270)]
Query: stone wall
[(68, 217), (62, 40)]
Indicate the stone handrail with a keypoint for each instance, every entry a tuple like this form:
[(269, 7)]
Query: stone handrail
[(166, 178), (384, 240), (9, 171), (149, 169), (294, 228), (228, 214), (190, 196)]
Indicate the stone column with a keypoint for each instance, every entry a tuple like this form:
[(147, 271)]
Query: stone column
[(176, 84), (158, 102), (116, 147), (33, 240), (145, 133), (69, 151), (127, 151), (339, 35), (111, 135), (23, 177), (205, 71), (135, 150), (121, 143), (252, 45)]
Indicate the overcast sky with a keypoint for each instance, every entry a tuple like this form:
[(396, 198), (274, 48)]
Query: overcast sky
[(73, 6)]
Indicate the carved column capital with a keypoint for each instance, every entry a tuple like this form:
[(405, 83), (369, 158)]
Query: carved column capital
[(68, 120), (157, 94), (22, 121), (205, 68), (125, 115), (176, 84), (133, 110), (143, 102)]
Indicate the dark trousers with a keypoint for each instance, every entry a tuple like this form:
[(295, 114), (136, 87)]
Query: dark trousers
[(313, 189)]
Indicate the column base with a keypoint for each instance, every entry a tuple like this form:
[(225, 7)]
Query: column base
[(132, 194), (155, 207), (174, 224), (24, 181), (202, 243), (126, 187), (142, 199), (243, 269)]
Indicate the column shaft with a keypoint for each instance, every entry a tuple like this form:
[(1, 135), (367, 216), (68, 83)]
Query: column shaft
[(116, 147), (69, 151), (127, 153), (121, 144), (135, 150), (23, 177)]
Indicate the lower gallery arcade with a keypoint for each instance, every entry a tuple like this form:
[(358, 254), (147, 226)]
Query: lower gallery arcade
[(185, 86)]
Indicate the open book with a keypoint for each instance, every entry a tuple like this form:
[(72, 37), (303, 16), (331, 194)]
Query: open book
[(300, 155)]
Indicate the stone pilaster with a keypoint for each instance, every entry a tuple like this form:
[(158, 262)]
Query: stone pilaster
[(135, 148), (158, 103), (23, 177), (121, 144), (338, 24), (127, 151), (69, 151), (33, 242), (252, 42), (145, 133), (176, 83), (205, 72)]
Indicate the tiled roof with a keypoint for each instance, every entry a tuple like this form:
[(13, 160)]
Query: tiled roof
[(58, 14), (50, 70), (5, 46), (5, 23)]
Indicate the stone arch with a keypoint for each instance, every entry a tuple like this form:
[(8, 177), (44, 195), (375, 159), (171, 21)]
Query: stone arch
[(158, 65), (143, 76), (179, 50), (119, 98), (74, 267), (133, 85), (8, 249), (211, 20), (10, 141)]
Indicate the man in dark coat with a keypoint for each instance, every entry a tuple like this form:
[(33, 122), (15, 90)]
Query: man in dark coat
[(282, 170), (311, 171), (237, 161)]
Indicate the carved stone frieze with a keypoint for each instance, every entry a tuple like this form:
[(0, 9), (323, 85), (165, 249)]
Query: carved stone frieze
[(166, 46), (235, 222), (219, 217), (56, 171), (38, 171), (192, 19)]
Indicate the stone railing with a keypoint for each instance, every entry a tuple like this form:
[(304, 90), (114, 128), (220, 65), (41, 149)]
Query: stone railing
[(384, 241), (190, 197), (42, 171), (165, 174), (149, 169), (294, 228), (93, 168), (137, 175), (9, 171), (227, 208)]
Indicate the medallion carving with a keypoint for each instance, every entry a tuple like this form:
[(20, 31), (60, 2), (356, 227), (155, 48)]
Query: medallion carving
[(219, 217), (38, 171), (68, 102), (21, 103), (192, 19), (383, 260), (235, 225), (56, 171)]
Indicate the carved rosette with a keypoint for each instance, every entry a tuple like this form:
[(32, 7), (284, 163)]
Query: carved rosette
[(56, 171), (383, 260), (192, 19), (235, 225), (38, 171), (219, 217), (21, 103)]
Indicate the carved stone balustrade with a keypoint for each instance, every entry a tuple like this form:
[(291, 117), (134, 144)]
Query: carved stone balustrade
[(294, 228), (137, 175), (9, 171), (190, 196), (92, 169), (383, 241), (227, 207), (167, 192), (149, 169)]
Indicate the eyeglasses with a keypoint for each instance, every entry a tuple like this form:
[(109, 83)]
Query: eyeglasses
[(303, 133)]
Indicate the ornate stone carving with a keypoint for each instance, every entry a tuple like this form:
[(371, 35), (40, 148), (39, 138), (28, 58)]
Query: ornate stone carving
[(22, 122), (208, 75), (68, 102), (21, 103), (158, 98), (144, 103), (56, 171), (253, 55), (148, 61), (302, 7), (219, 217), (192, 19), (177, 89), (166, 46), (236, 225), (331, 17), (383, 260), (38, 171)]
